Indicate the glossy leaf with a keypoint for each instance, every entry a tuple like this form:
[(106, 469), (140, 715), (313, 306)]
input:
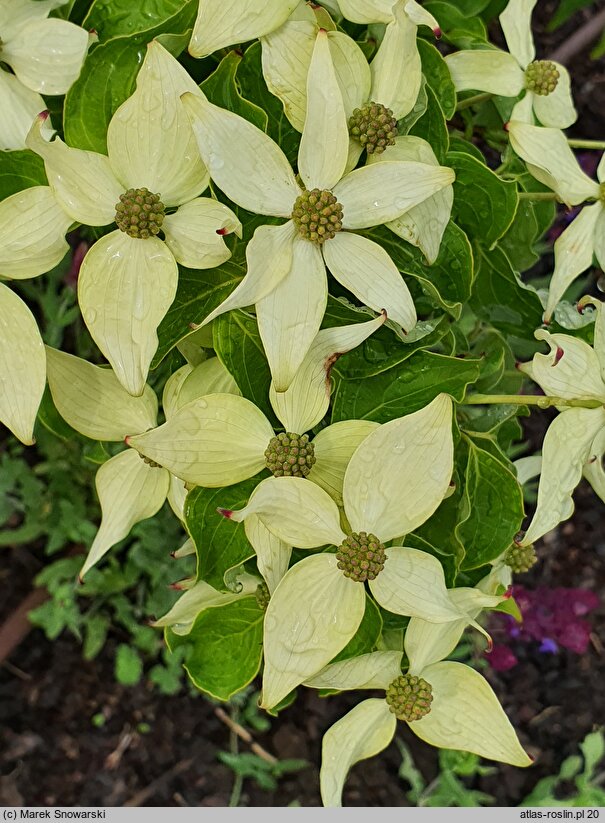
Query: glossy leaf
[(220, 544)]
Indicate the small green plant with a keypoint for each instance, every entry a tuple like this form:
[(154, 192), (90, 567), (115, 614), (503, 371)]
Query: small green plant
[(580, 779), (448, 788)]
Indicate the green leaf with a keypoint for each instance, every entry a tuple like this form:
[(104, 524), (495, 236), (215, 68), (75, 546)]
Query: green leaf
[(495, 507), (459, 144), (367, 634), (109, 72), (254, 89), (238, 345), (432, 126), (404, 389), (438, 77), (460, 28), (500, 298), (448, 280), (484, 204), (415, 113), (383, 350), (20, 170), (222, 90), (225, 647), (123, 18), (128, 665), (220, 544), (199, 292)]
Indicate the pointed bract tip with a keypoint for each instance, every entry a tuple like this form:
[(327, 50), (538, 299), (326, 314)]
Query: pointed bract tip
[(173, 554), (44, 115), (384, 315), (506, 126), (558, 355), (228, 513), (222, 232), (81, 579), (195, 326), (127, 439), (438, 33), (508, 593), (177, 586), (490, 645), (322, 31)]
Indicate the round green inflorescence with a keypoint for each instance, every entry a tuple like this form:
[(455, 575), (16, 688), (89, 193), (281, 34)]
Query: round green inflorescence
[(361, 557), (140, 213), (409, 697), (520, 558), (374, 126), (262, 596), (317, 215), (290, 455), (541, 77)]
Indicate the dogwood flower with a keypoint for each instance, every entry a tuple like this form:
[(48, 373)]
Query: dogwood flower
[(223, 439), (375, 96), (546, 83), (46, 56), (394, 481), (575, 440), (286, 277), (32, 241), (128, 278), (93, 402), (551, 161), (446, 704)]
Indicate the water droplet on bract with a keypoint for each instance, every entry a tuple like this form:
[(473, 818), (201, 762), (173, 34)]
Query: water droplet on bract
[(201, 404), (90, 315), (215, 162)]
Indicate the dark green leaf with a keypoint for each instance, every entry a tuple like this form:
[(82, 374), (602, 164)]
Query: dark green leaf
[(238, 345), (459, 144), (20, 170), (500, 298), (123, 18), (198, 293), (463, 30), (225, 647), (432, 126), (404, 389), (220, 544), (222, 90), (484, 204), (438, 77), (495, 507), (383, 350)]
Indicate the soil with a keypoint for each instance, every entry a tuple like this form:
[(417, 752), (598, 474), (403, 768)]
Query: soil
[(154, 750)]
